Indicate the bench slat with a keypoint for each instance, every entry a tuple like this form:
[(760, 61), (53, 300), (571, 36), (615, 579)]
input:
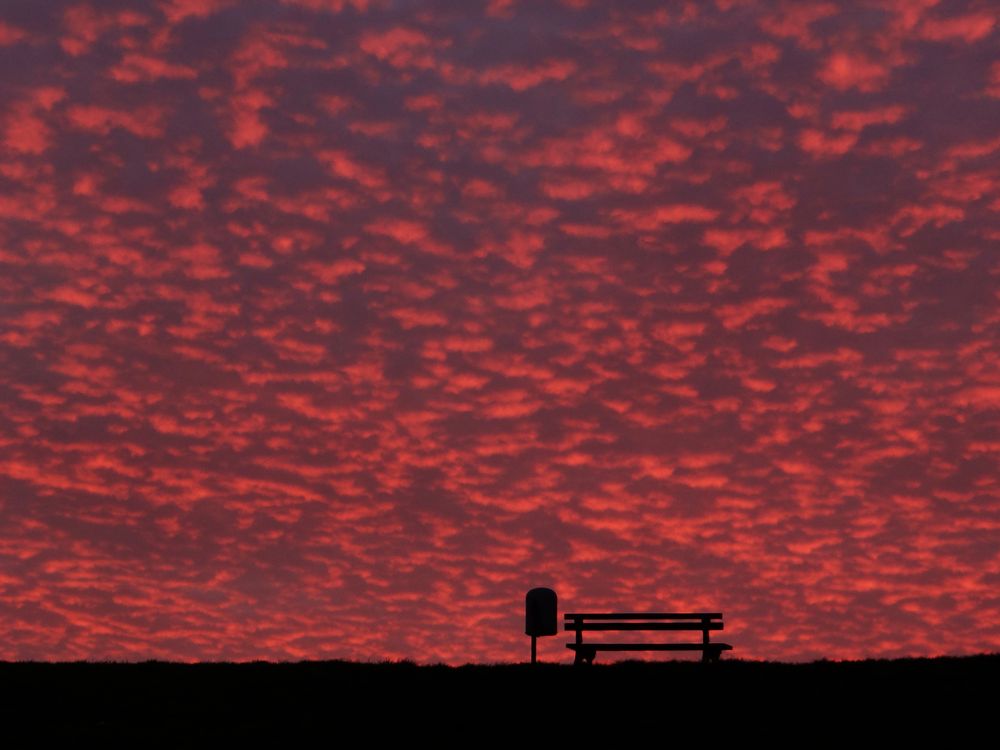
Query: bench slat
[(644, 616), (573, 627), (651, 646)]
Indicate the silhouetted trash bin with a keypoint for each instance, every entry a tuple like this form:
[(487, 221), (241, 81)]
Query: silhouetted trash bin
[(540, 616)]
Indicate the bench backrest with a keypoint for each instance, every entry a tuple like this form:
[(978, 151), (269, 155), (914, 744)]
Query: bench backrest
[(704, 621)]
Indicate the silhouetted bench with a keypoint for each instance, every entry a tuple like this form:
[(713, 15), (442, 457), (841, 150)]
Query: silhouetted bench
[(672, 621)]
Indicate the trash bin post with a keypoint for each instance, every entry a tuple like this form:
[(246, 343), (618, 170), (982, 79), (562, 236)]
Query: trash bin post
[(540, 616)]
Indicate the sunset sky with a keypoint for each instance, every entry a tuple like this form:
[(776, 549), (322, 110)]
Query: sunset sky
[(328, 328)]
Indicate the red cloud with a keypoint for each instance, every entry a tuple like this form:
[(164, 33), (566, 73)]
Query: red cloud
[(145, 122), (726, 241), (736, 315), (858, 120), (332, 272), (656, 217), (202, 261), (342, 164), (521, 77), (821, 144), (25, 131), (10, 34), (569, 189), (84, 25), (136, 67), (969, 28), (794, 20), (247, 127), (335, 6), (846, 70), (400, 47), (177, 11)]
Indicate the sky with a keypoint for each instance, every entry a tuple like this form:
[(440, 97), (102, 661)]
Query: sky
[(329, 328)]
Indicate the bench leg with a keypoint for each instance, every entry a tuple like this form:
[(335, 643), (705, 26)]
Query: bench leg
[(585, 655)]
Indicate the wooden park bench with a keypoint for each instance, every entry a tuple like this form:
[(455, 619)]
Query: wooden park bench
[(672, 621)]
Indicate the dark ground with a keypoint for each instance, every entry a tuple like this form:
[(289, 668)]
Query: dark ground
[(659, 702)]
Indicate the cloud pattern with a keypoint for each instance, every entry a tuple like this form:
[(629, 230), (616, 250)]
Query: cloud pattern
[(330, 327)]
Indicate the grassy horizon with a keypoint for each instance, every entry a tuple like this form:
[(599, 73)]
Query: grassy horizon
[(409, 662), (139, 700)]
